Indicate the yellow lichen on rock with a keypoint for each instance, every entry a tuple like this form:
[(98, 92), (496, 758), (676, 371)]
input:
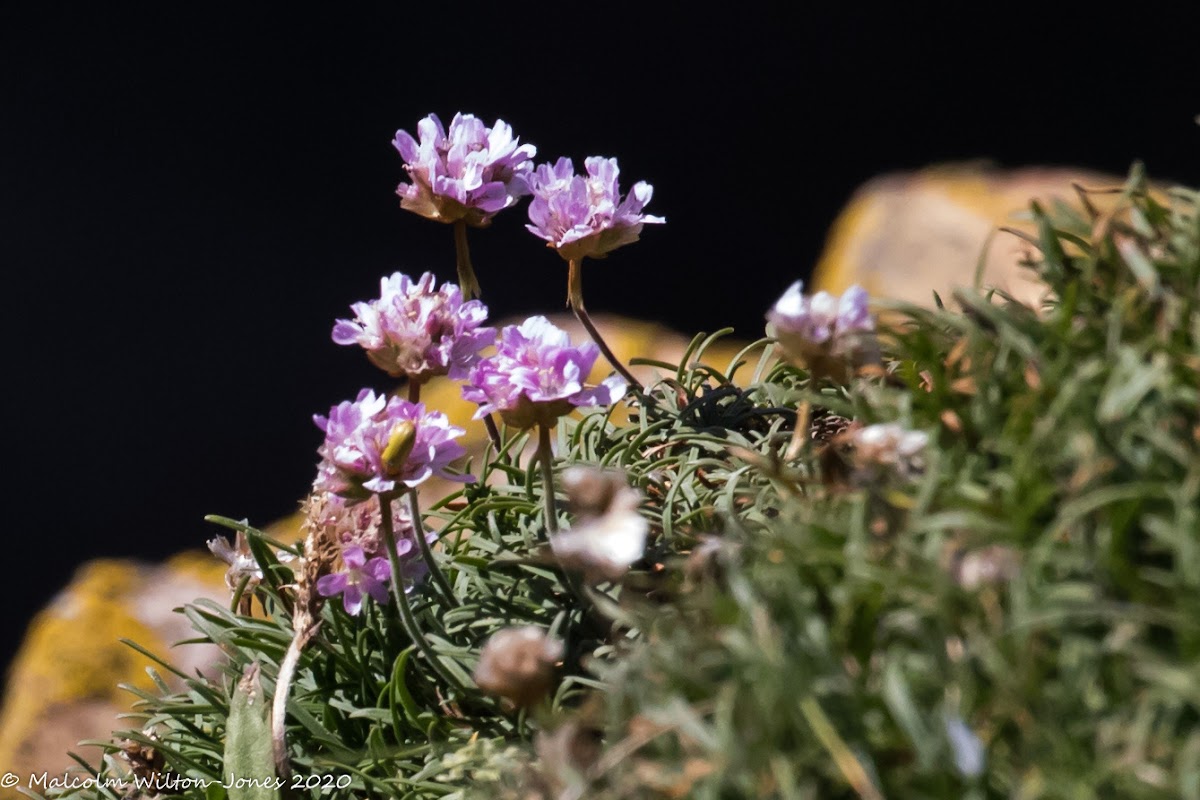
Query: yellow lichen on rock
[(907, 235), (65, 677)]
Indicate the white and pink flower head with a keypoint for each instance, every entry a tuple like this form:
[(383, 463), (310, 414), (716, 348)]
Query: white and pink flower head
[(823, 332), (356, 528), (537, 376), (469, 172), (376, 445), (417, 330), (584, 216)]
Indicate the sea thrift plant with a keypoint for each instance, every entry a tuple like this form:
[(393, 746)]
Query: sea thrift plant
[(972, 579), (416, 330), (468, 172), (582, 216), (463, 176), (585, 216), (537, 376), (374, 444)]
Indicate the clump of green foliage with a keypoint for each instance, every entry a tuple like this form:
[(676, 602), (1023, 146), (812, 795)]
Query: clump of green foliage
[(1018, 615)]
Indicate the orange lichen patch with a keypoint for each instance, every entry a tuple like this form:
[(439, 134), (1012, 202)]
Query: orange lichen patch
[(907, 235)]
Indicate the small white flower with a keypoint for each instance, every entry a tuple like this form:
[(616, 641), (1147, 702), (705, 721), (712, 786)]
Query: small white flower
[(605, 547), (240, 560), (988, 565)]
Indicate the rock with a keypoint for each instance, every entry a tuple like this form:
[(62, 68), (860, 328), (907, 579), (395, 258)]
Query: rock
[(62, 686), (906, 235)]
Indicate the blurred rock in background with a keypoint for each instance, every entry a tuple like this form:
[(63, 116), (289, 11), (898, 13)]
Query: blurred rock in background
[(906, 235)]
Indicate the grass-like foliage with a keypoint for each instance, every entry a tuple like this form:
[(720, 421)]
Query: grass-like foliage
[(1015, 613)]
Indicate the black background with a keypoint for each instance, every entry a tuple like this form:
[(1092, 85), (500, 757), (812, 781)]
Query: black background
[(191, 193)]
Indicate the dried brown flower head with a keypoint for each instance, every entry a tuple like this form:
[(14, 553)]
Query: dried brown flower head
[(518, 664)]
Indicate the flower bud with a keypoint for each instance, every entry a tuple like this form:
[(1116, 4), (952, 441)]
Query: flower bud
[(827, 335), (399, 447)]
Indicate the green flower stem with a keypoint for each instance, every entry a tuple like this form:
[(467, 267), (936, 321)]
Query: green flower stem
[(545, 457), (575, 301), (406, 615), (466, 273), (493, 432), (419, 532)]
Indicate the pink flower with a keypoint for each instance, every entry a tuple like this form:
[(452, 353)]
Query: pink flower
[(828, 335), (358, 576), (536, 376), (584, 215), (470, 172), (413, 331), (802, 322), (374, 445)]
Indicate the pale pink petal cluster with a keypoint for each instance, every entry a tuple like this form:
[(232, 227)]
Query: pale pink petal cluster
[(585, 216), (374, 444), (417, 330), (467, 172), (801, 321), (537, 376), (357, 530)]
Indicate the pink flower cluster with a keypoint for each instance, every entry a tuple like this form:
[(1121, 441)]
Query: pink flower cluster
[(822, 318), (470, 172), (365, 570), (374, 445), (585, 215), (417, 331), (537, 375)]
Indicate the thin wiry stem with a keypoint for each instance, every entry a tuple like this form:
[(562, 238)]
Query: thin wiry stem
[(493, 432), (545, 457), (419, 532), (466, 273), (575, 301), (406, 615)]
